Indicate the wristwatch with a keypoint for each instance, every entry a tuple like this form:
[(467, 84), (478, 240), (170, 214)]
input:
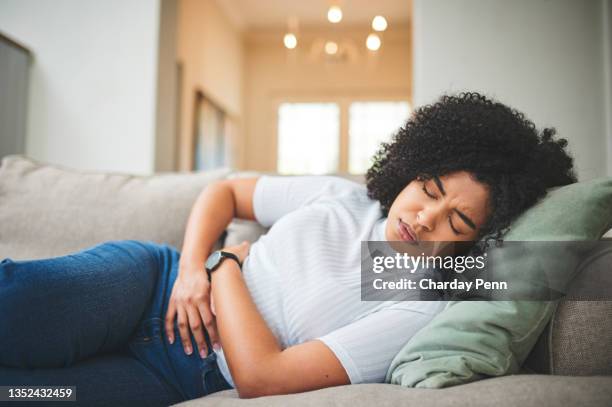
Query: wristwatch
[(216, 258)]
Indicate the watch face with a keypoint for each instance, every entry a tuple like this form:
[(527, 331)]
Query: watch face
[(213, 260)]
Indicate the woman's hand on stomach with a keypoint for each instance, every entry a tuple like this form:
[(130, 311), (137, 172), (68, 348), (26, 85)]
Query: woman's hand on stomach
[(190, 304)]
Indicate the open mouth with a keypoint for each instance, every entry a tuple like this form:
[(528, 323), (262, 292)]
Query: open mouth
[(405, 232)]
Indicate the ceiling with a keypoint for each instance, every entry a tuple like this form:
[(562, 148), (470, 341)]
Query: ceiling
[(275, 13)]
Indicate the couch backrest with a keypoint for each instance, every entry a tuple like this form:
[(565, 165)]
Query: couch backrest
[(46, 210)]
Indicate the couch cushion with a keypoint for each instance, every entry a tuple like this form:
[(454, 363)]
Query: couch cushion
[(46, 210), (581, 338), (578, 340), (518, 390), (240, 230)]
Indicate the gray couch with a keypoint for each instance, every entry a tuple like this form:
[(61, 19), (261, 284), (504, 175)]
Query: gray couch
[(47, 211)]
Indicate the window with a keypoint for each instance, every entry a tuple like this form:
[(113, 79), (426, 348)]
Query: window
[(339, 136), (371, 123), (308, 138)]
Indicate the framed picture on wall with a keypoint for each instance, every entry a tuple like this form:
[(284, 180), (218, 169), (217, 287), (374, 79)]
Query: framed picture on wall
[(210, 149)]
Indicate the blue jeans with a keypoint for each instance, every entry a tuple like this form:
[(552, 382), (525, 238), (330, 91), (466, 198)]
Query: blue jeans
[(95, 320)]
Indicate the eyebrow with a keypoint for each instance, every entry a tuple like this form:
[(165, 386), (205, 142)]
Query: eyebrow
[(467, 220)]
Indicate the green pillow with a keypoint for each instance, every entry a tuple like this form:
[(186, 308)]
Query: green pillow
[(471, 340)]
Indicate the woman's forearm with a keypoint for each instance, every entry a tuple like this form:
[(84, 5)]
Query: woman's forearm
[(212, 212), (249, 346)]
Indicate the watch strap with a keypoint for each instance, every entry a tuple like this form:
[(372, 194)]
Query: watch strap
[(222, 256), (228, 255)]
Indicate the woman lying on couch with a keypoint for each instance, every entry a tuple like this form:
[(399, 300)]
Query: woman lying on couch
[(285, 314)]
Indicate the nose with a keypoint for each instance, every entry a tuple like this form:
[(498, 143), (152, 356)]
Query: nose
[(426, 218)]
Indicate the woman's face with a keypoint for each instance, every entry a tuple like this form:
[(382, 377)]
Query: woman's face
[(449, 208)]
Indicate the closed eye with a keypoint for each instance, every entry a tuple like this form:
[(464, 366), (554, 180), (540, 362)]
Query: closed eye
[(429, 194), (450, 222)]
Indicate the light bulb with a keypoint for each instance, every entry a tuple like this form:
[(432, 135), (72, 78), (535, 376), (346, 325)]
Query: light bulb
[(373, 42), (331, 48), (290, 40), (334, 14), (379, 23)]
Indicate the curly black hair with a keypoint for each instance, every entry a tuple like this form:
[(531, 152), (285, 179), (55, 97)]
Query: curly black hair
[(498, 145)]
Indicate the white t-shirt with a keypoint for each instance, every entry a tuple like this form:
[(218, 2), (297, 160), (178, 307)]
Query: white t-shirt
[(304, 275)]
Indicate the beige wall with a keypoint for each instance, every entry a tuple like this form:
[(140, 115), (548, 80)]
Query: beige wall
[(274, 74), (211, 51)]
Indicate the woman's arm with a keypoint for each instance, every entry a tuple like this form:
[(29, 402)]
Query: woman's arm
[(257, 363), (189, 303), (214, 209)]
